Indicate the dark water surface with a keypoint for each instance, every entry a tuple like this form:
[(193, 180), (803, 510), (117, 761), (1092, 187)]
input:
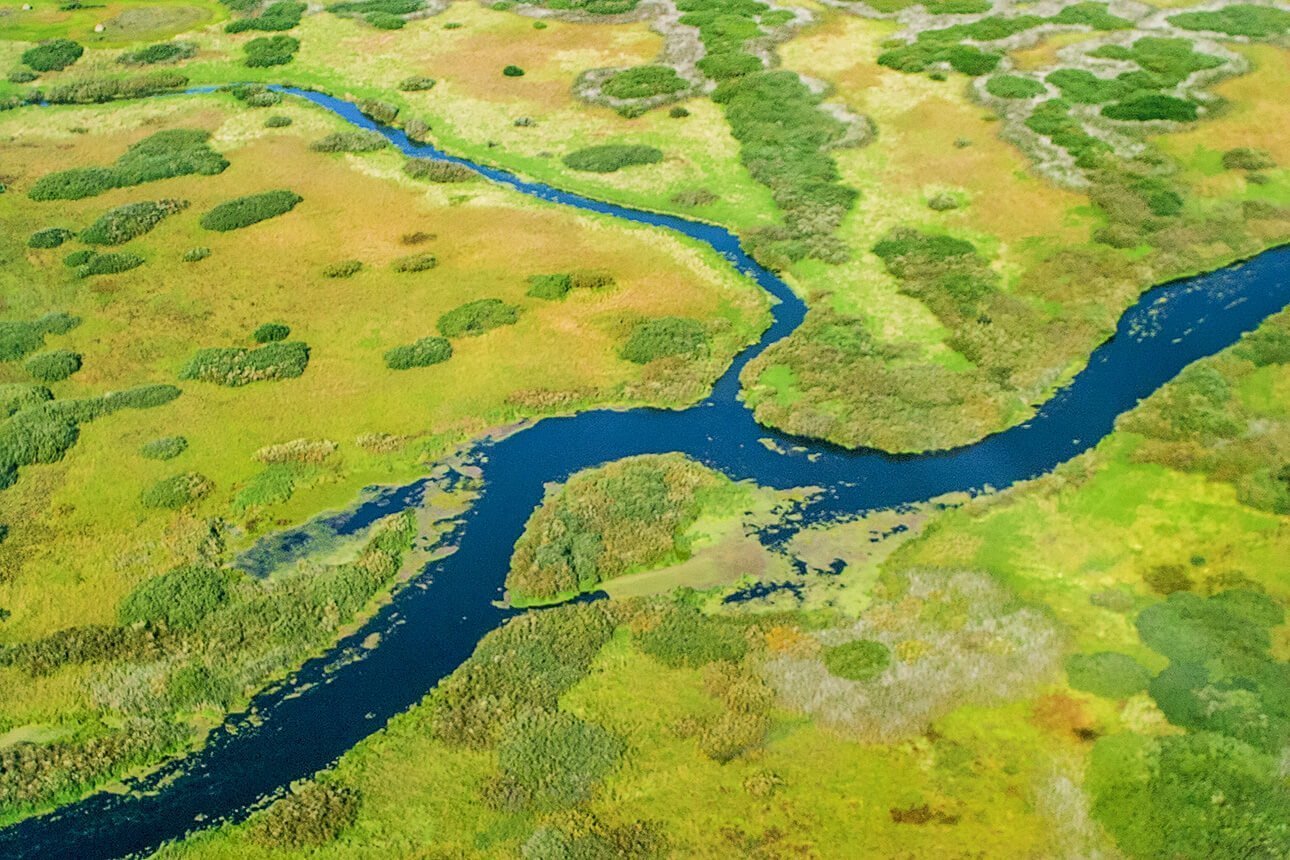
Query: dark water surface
[(335, 701)]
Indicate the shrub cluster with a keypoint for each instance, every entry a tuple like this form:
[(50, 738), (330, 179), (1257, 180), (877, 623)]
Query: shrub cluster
[(382, 14), (1245, 158), (53, 366), (180, 598), (120, 225), (270, 51), (281, 15), (309, 451), (163, 448), (421, 353), (1013, 87), (858, 660), (684, 636), (177, 491), (609, 157), (360, 140), (16, 396), (513, 72), (438, 171), (98, 90), (557, 286), (251, 209), (475, 318), (552, 759), (196, 255), (309, 816), (19, 337), (1239, 19), (255, 95), (416, 83), (164, 52), (164, 155), (53, 55), (108, 264), (277, 121), (235, 366), (382, 112), (271, 331), (50, 237), (343, 269), (415, 263), (665, 337), (644, 82)]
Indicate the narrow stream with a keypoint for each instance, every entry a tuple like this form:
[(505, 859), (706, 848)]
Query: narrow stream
[(335, 701)]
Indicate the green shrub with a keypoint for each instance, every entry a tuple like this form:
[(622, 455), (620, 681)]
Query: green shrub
[(343, 269), (1013, 87), (19, 337), (860, 660), (665, 337), (1242, 19), (686, 637), (79, 258), (421, 353), (438, 171), (53, 55), (365, 7), (1094, 15), (164, 155), (255, 95), (53, 366), (21, 75), (552, 759), (196, 255), (163, 448), (475, 318), (120, 225), (109, 264), (942, 202), (416, 83), (383, 112), (165, 52), (1264, 346), (415, 263), (1107, 674), (105, 89), (360, 140), (176, 492), (513, 72), (235, 366), (311, 815), (251, 209), (179, 598), (270, 332), (678, 112), (270, 51), (282, 15), (16, 396), (1245, 158), (644, 82), (384, 20), (50, 237), (1152, 106), (609, 157), (549, 286), (277, 121)]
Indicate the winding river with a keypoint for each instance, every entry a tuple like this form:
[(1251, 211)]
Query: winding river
[(428, 629)]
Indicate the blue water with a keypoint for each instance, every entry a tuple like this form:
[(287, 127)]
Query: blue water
[(429, 629)]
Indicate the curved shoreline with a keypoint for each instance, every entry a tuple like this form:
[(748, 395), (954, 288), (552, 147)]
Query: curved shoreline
[(334, 701)]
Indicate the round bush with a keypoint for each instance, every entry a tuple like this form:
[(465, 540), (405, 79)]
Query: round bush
[(277, 121), (53, 55), (665, 337), (1108, 674), (270, 332), (475, 318), (163, 448), (609, 157), (422, 353), (53, 366), (195, 255), (416, 83), (1014, 87), (513, 72), (270, 51), (179, 598), (678, 112), (50, 237), (860, 660)]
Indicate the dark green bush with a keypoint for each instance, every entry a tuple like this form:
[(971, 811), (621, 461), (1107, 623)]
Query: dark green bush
[(271, 331), (19, 337), (277, 121), (235, 366), (360, 140), (1242, 19), (1013, 87), (1094, 15), (416, 83), (383, 112), (860, 660), (1153, 106), (643, 82), (196, 255), (549, 286), (16, 396), (343, 269), (1107, 674), (438, 171), (421, 353), (513, 72), (665, 337), (50, 237), (166, 154), (255, 95), (79, 258), (53, 55), (552, 759), (163, 448), (120, 225), (270, 51), (365, 7), (1245, 158), (311, 815), (251, 209), (475, 318), (179, 598), (53, 366), (282, 15), (606, 158), (109, 264), (1264, 346), (415, 263), (176, 492), (165, 52), (678, 112), (384, 20)]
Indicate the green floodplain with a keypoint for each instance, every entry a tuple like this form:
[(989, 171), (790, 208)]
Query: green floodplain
[(222, 314)]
